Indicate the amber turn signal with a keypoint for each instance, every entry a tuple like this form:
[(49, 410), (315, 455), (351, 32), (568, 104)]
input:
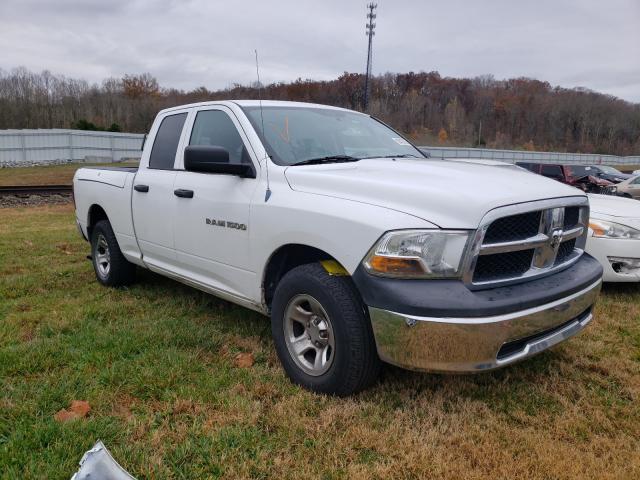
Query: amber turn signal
[(395, 265), (597, 228)]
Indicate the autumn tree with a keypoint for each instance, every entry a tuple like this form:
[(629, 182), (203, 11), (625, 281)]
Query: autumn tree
[(136, 86)]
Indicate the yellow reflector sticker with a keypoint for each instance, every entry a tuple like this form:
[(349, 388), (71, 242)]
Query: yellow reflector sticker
[(333, 268)]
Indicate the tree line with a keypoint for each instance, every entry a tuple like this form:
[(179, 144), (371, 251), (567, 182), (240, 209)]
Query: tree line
[(519, 113)]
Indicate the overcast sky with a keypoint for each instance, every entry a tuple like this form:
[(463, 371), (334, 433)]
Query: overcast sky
[(189, 43)]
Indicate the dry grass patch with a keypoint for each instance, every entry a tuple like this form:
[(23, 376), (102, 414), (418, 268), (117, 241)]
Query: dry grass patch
[(48, 175)]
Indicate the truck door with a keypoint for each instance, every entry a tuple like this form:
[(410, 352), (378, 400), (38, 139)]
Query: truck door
[(152, 197), (211, 228)]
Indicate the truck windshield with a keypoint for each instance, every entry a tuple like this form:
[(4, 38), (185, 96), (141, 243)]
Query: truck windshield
[(296, 135)]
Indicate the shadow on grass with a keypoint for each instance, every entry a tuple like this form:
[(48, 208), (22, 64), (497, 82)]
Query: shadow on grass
[(631, 288), (513, 388), (235, 319)]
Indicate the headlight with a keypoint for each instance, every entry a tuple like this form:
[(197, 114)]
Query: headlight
[(606, 229), (418, 254)]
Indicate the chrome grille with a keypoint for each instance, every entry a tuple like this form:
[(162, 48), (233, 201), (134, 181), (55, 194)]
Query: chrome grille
[(525, 241), (514, 227)]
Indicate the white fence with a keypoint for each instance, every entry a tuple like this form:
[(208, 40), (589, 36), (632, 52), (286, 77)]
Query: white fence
[(41, 147), (512, 156)]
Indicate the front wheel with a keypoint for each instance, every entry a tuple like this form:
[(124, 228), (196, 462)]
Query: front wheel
[(322, 333)]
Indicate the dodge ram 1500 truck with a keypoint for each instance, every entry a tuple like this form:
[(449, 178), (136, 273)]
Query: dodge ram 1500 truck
[(359, 248)]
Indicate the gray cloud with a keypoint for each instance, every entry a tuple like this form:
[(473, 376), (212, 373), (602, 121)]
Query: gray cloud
[(190, 43)]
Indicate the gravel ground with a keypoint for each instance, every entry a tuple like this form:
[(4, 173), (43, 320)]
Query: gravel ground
[(7, 201)]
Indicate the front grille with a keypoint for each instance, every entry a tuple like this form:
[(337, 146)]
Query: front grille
[(528, 244), (565, 251), (571, 217), (515, 227), (502, 265)]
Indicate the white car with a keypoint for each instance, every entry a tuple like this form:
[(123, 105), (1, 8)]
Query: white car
[(614, 237), (358, 247)]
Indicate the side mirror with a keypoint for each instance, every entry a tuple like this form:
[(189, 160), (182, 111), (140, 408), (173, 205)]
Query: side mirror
[(213, 159)]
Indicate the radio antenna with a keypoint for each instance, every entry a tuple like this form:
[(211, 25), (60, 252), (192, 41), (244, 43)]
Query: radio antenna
[(267, 194)]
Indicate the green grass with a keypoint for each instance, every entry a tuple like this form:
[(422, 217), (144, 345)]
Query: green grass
[(50, 174), (156, 363)]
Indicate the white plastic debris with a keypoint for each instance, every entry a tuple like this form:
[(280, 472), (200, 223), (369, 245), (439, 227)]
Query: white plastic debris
[(98, 464)]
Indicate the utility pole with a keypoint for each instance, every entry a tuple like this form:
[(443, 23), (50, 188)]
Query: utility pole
[(371, 26)]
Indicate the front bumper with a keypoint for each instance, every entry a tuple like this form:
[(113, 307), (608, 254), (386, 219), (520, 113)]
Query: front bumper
[(442, 326), (481, 343), (606, 249)]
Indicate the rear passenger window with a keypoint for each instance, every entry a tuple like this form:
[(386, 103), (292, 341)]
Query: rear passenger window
[(215, 128), (165, 145)]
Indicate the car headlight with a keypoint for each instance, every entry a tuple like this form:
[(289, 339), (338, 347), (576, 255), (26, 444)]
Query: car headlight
[(418, 254), (606, 229)]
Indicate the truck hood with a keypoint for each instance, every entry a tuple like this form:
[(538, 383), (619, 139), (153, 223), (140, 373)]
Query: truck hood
[(447, 194)]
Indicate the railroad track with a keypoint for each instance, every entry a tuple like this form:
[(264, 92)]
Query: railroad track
[(24, 190)]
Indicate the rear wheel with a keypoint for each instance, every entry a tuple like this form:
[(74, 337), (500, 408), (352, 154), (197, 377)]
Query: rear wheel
[(322, 333), (110, 266)]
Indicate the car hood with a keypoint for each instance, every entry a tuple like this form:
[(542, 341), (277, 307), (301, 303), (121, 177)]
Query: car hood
[(617, 209), (448, 194)]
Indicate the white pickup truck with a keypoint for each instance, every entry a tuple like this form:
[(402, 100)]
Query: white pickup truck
[(359, 247)]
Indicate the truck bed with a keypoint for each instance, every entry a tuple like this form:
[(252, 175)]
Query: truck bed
[(109, 189)]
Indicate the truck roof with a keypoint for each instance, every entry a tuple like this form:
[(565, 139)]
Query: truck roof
[(255, 103)]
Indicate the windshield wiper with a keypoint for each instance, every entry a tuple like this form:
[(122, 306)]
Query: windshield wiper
[(327, 159), (401, 155)]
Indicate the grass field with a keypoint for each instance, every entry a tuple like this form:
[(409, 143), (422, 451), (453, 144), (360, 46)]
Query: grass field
[(156, 364), (48, 175)]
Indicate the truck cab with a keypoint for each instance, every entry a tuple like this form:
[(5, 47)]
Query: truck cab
[(359, 248)]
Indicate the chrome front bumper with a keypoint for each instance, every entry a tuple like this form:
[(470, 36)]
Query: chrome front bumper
[(476, 344)]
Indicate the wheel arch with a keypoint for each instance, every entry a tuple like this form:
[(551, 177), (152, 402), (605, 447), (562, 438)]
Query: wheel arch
[(95, 214), (284, 259)]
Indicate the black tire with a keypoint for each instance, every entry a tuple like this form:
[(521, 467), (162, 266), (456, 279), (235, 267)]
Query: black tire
[(355, 364), (120, 271)]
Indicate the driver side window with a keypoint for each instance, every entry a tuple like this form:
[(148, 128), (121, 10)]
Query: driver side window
[(215, 128)]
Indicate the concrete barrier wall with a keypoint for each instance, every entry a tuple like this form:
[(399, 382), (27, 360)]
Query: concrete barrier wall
[(513, 156), (42, 147)]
